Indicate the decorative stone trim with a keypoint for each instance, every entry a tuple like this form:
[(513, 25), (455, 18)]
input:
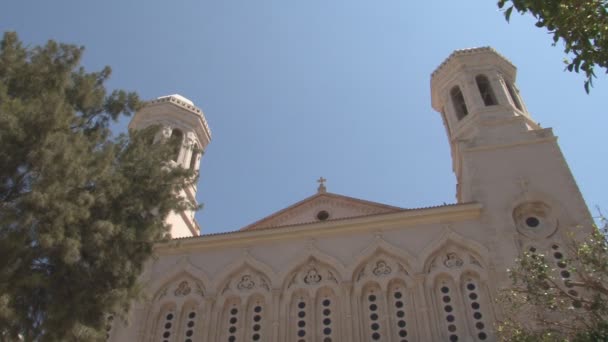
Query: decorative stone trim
[(177, 102)]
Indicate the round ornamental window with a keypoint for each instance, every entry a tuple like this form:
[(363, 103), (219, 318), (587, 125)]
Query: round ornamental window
[(535, 219), (322, 215), (532, 222)]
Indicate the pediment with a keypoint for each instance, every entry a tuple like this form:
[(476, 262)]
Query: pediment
[(313, 209)]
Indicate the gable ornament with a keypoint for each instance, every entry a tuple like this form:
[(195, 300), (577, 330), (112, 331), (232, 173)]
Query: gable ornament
[(183, 289), (312, 277), (381, 268), (246, 283), (452, 260)]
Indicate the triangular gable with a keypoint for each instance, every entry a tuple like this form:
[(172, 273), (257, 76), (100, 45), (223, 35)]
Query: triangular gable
[(310, 210)]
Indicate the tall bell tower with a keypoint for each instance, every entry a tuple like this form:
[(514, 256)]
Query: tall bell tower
[(501, 157), (185, 124)]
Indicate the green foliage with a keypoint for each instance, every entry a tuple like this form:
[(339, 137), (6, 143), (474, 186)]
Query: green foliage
[(543, 306), (582, 25), (80, 210)]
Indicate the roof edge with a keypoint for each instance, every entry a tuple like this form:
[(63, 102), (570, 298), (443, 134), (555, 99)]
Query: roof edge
[(310, 198), (409, 217)]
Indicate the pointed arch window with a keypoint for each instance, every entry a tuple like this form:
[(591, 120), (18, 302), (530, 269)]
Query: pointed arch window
[(231, 320), (255, 316), (460, 106), (485, 90), (176, 141), (449, 308), (398, 305), (383, 296), (178, 310), (374, 312), (473, 298), (166, 324), (188, 323), (311, 298)]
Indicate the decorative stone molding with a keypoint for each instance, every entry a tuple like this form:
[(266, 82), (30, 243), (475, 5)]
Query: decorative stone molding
[(245, 281), (452, 260), (381, 269), (183, 289), (381, 266), (182, 104), (313, 274)]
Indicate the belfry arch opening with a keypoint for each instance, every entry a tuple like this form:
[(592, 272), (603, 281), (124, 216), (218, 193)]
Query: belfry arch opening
[(177, 137), (485, 90), (460, 106), (194, 158)]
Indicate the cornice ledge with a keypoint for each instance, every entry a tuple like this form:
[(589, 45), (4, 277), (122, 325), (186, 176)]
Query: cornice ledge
[(405, 218)]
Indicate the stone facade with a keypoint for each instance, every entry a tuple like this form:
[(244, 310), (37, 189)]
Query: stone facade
[(335, 268)]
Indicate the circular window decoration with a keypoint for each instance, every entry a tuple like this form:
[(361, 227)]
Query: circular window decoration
[(532, 222), (535, 219), (322, 215)]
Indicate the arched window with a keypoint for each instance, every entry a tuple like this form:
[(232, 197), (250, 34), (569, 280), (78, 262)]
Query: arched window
[(312, 303), (300, 317), (176, 140), (166, 323), (485, 90), (242, 306), (256, 312), (514, 96), (449, 307), (398, 307), (231, 320), (473, 299), (178, 311), (188, 322), (384, 299), (373, 313), (194, 158), (326, 313), (460, 107)]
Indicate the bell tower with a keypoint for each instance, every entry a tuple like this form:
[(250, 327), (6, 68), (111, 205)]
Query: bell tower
[(474, 90), (185, 125), (501, 157)]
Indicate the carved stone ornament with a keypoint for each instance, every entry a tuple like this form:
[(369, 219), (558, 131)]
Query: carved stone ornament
[(264, 284), (452, 260), (361, 274), (183, 289), (163, 292), (433, 264), (166, 132), (312, 277), (246, 283), (474, 261), (381, 268), (199, 290), (402, 269), (331, 277)]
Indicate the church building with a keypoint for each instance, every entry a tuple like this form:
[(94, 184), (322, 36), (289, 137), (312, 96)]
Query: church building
[(332, 268)]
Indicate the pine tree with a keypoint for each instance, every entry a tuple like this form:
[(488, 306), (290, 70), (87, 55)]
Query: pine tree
[(80, 209)]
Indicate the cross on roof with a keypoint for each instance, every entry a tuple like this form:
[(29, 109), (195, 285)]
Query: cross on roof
[(321, 187)]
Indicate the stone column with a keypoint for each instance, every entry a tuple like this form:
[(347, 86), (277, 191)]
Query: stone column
[(276, 314), (421, 308), (346, 289), (214, 312)]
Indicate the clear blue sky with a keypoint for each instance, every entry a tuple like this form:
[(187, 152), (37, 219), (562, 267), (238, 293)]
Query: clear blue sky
[(294, 90)]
